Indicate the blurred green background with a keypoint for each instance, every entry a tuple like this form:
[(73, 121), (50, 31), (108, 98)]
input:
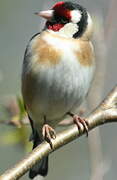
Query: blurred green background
[(74, 161)]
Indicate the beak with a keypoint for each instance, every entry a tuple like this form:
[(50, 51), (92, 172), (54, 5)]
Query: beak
[(45, 14)]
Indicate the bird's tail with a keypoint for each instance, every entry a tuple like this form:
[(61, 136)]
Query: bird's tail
[(41, 167)]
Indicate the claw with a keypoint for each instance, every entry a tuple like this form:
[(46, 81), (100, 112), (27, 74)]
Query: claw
[(48, 134), (78, 121)]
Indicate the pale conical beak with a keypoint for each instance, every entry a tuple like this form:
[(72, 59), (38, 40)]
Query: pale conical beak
[(45, 14)]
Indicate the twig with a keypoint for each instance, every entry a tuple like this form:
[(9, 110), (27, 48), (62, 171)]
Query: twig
[(106, 112)]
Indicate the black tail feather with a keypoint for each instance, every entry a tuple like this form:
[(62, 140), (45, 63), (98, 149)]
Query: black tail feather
[(41, 167)]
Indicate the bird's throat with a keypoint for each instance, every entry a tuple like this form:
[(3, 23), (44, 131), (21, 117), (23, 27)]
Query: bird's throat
[(66, 30), (54, 27)]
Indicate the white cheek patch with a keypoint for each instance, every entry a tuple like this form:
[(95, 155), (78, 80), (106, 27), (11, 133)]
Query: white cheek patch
[(69, 29), (76, 16)]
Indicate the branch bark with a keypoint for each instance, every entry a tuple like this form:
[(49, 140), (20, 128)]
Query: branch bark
[(106, 112)]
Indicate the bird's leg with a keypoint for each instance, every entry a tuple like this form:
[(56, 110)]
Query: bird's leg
[(78, 121), (68, 122), (48, 134)]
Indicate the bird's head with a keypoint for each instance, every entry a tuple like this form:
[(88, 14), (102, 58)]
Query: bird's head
[(69, 18)]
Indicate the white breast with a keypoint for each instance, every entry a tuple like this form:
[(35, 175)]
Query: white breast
[(60, 88)]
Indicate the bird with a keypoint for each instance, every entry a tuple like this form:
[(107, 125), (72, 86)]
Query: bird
[(57, 73)]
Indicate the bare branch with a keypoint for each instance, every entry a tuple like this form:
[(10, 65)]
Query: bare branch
[(106, 112)]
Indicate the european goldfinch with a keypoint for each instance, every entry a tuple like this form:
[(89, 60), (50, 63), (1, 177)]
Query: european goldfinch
[(57, 73)]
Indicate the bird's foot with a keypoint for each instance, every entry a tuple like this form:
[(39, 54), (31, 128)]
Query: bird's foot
[(48, 134), (80, 122)]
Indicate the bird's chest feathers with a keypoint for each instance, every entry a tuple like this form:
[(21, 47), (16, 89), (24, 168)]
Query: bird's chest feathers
[(60, 71), (50, 49), (60, 63)]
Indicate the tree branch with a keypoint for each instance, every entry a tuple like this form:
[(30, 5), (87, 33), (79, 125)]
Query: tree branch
[(106, 112)]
